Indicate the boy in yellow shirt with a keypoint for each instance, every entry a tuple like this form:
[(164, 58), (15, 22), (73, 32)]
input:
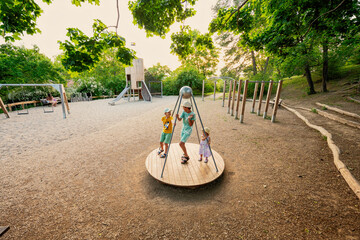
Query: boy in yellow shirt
[(166, 134)]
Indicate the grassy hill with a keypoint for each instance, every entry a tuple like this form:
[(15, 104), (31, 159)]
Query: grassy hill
[(346, 83)]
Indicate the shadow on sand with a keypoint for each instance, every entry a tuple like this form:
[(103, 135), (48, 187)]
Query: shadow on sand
[(157, 189)]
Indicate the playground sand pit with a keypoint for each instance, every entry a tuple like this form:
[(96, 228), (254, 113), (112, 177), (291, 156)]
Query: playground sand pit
[(84, 177)]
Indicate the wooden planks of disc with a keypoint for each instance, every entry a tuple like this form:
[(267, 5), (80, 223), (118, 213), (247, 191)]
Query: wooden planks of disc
[(193, 173)]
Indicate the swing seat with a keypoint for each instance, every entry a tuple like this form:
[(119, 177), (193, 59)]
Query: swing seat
[(45, 103)]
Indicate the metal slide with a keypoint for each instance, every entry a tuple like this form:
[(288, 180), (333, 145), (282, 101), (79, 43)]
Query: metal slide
[(145, 92), (126, 89)]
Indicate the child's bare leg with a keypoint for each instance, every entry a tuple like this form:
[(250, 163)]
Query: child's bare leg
[(161, 145), (182, 145), (200, 157), (166, 147)]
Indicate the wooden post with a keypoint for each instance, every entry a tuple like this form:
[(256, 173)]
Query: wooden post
[(2, 105), (61, 90), (233, 100), (254, 97), (214, 89), (224, 90), (229, 100), (161, 85), (65, 99), (278, 91), (260, 97), (238, 100), (244, 101), (268, 98), (203, 87), (9, 107)]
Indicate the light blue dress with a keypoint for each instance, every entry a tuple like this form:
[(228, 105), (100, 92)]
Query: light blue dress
[(204, 148), (186, 128)]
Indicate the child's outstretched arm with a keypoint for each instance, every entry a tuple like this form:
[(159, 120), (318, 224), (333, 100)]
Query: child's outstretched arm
[(178, 118)]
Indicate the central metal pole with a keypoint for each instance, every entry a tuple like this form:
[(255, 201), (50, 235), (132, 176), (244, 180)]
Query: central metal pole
[(175, 105)]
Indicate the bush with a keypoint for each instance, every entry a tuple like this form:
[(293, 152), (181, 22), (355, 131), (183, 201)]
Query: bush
[(183, 76), (191, 78), (89, 85), (20, 94)]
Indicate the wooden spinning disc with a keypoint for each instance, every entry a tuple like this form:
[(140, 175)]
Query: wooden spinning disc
[(193, 173)]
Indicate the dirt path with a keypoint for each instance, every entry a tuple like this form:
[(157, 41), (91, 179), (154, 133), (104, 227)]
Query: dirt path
[(345, 137), (279, 181)]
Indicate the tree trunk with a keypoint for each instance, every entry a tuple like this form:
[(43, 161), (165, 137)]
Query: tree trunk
[(266, 64), (253, 62), (279, 72), (309, 80), (325, 75)]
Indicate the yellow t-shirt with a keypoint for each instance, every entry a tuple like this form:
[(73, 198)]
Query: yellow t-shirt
[(167, 124)]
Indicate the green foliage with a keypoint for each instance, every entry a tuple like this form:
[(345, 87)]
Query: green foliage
[(81, 53), (18, 17), (91, 86), (20, 65), (106, 77), (190, 77), (183, 76), (187, 42), (156, 73), (20, 94), (314, 110), (78, 2), (157, 16), (260, 77), (294, 31), (194, 48)]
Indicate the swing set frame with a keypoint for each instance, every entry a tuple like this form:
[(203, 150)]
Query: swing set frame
[(58, 87)]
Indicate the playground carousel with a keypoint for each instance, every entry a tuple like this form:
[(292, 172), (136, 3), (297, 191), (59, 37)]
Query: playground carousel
[(170, 170)]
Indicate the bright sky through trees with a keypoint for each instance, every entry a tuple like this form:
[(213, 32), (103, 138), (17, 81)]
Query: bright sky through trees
[(61, 14)]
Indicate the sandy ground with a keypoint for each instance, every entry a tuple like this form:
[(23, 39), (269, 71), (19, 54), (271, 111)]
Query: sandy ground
[(84, 177)]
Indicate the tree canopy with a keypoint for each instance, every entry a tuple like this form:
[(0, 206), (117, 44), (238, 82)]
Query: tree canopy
[(195, 48), (292, 30), (21, 65), (292, 37), (157, 16), (18, 17), (82, 52)]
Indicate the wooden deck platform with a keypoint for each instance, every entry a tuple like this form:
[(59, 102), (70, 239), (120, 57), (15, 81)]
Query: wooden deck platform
[(193, 173)]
